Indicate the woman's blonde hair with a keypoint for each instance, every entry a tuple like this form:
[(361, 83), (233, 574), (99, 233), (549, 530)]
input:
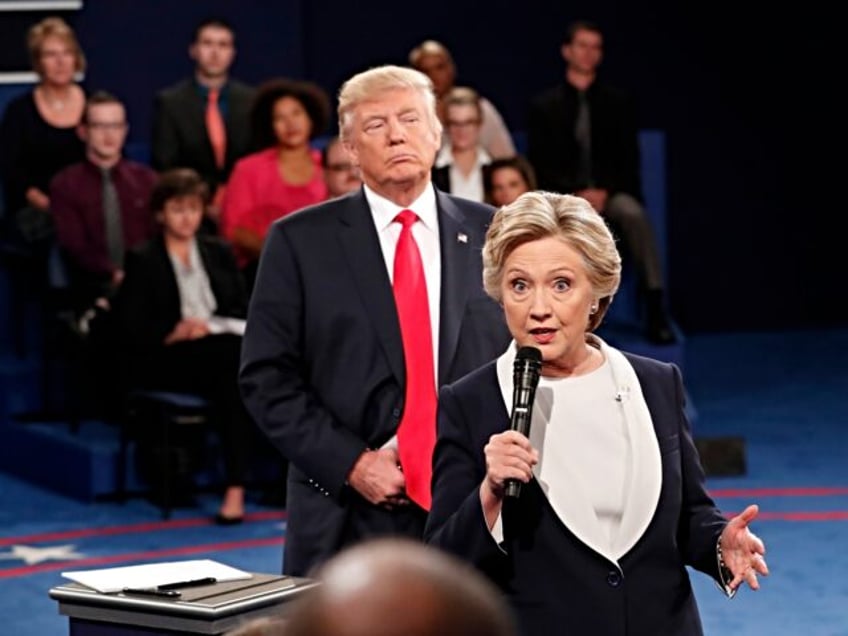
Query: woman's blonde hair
[(538, 215), (53, 27)]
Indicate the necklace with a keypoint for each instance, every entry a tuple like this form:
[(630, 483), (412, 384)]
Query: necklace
[(54, 103)]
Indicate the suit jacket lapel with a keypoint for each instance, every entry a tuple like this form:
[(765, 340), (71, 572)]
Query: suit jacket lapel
[(193, 115), (168, 281), (455, 254), (362, 250)]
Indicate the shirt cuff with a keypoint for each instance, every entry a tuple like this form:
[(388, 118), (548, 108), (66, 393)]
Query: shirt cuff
[(724, 574)]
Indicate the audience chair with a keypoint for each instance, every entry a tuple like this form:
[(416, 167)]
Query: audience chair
[(169, 430)]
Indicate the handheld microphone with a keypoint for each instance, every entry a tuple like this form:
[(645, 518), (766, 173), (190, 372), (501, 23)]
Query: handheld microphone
[(525, 379)]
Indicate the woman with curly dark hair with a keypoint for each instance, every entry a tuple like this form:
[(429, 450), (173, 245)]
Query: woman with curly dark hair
[(283, 177)]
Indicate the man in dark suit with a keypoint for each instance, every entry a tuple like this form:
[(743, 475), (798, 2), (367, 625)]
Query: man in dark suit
[(336, 369), (203, 122), (583, 139)]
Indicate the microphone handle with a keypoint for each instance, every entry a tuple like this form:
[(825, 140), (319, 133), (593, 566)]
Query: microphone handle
[(521, 423), (513, 488)]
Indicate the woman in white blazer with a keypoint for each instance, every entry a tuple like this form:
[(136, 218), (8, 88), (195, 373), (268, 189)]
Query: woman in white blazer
[(613, 505)]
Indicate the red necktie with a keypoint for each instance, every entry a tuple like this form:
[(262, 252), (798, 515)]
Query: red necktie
[(417, 431), (215, 128)]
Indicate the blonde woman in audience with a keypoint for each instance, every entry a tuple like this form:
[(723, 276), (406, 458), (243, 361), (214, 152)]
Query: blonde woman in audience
[(38, 134), (460, 162)]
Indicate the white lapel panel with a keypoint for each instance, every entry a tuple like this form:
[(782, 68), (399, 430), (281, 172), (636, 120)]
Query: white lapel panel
[(643, 493), (574, 507)]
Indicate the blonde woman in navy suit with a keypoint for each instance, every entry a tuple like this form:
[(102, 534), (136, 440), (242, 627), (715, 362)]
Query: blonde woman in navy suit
[(613, 505)]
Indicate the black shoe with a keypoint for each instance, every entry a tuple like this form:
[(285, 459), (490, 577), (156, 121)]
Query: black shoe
[(223, 520), (660, 332), (658, 328)]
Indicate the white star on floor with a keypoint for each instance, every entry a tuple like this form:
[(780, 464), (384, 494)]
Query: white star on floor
[(32, 555)]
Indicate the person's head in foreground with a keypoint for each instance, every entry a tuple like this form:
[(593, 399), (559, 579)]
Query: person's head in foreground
[(398, 587), (552, 263)]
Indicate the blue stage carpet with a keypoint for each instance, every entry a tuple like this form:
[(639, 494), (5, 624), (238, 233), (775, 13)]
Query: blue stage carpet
[(784, 393)]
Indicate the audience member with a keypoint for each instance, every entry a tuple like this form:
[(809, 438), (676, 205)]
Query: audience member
[(38, 134), (612, 506), (340, 173), (434, 60), (203, 122), (583, 140), (181, 309), (396, 587), (504, 180), (101, 205), (460, 162), (283, 177), (363, 305)]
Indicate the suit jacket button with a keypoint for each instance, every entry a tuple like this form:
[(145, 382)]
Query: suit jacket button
[(396, 412), (614, 579)]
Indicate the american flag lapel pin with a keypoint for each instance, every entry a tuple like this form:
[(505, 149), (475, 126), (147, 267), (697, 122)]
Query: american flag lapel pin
[(462, 237)]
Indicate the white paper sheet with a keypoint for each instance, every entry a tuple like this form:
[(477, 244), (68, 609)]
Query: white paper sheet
[(152, 574)]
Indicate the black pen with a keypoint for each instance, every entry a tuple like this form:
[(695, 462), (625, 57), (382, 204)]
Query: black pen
[(209, 580), (151, 591)]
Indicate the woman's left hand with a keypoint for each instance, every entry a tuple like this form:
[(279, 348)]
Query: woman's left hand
[(742, 551)]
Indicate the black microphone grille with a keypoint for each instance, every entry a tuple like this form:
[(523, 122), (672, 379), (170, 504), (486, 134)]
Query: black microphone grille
[(529, 353)]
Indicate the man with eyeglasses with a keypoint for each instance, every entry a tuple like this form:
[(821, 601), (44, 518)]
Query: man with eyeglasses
[(100, 205), (340, 173), (459, 164)]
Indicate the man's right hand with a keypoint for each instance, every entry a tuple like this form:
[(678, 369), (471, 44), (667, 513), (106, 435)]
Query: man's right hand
[(377, 476), (37, 199)]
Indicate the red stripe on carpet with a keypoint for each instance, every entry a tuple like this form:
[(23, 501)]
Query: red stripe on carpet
[(134, 528), (778, 492), (140, 556)]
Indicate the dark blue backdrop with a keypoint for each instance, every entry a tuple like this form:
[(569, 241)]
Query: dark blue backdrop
[(752, 214)]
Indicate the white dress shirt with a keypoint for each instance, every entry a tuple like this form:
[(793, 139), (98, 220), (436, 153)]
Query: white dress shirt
[(426, 234)]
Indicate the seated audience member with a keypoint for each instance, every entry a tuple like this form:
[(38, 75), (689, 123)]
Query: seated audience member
[(434, 60), (181, 309), (284, 177), (203, 122), (504, 180), (582, 137), (38, 134), (612, 508), (340, 173), (101, 205), (398, 587), (459, 164)]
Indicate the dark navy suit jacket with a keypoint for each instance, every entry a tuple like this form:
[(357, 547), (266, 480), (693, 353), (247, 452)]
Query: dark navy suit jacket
[(180, 139), (322, 359), (556, 583)]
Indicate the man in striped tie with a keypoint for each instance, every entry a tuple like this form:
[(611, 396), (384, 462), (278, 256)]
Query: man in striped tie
[(363, 307)]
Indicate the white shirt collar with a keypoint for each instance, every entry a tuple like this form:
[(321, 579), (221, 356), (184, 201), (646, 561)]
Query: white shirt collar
[(445, 157), (385, 211)]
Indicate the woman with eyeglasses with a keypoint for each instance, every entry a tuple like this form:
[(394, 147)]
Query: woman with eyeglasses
[(459, 164)]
